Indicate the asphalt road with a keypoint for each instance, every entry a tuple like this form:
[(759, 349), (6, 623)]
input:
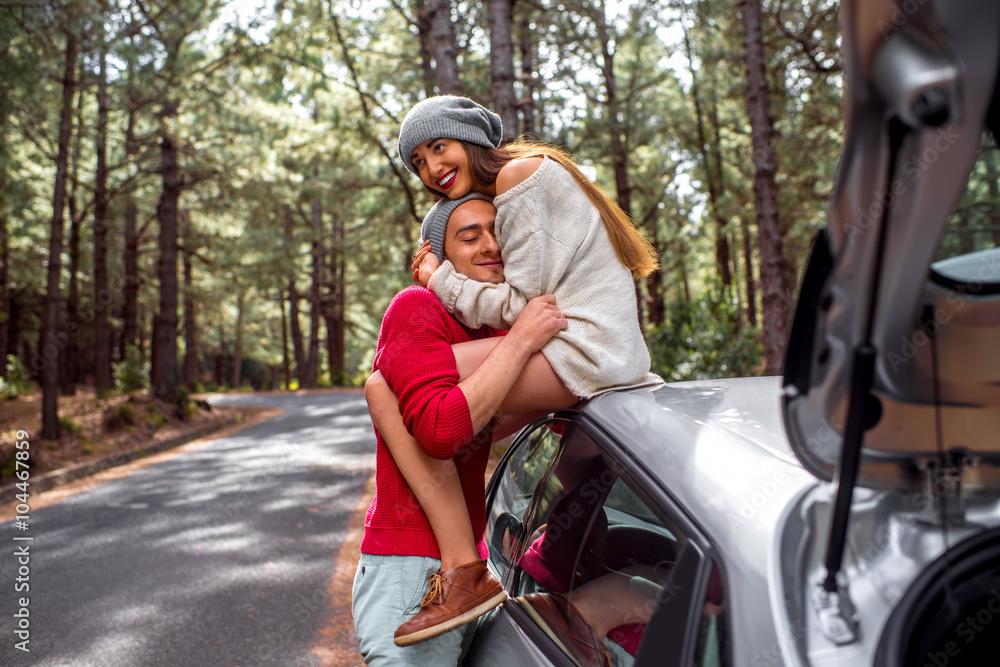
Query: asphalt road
[(217, 556)]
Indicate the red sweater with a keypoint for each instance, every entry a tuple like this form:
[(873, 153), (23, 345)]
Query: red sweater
[(415, 358)]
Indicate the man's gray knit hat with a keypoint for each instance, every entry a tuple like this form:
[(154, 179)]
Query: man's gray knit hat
[(448, 117), (436, 221)]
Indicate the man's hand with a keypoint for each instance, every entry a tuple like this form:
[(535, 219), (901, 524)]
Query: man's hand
[(424, 264), (540, 320)]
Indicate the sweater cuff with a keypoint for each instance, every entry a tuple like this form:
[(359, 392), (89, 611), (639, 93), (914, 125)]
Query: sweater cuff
[(446, 283)]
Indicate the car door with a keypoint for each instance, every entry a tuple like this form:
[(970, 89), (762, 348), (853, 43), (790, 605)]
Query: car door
[(600, 567)]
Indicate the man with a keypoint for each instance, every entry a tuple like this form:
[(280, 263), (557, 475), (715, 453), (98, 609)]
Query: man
[(415, 359)]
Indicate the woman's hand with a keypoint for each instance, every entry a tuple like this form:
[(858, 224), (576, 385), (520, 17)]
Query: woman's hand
[(424, 264)]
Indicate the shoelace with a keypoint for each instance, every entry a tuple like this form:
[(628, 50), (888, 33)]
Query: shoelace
[(436, 589)]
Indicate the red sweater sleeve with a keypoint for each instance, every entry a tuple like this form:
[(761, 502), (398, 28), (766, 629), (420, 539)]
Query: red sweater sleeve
[(416, 360)]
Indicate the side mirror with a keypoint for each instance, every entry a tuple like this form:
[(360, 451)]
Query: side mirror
[(503, 541)]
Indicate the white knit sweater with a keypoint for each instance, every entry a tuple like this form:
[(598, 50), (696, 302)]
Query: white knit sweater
[(553, 241)]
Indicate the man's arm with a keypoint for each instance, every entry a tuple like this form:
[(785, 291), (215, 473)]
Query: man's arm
[(418, 366), (489, 384)]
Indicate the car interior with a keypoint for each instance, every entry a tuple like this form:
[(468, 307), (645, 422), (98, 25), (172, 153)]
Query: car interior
[(584, 553)]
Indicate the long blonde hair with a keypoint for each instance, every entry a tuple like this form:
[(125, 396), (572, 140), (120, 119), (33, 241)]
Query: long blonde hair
[(631, 245)]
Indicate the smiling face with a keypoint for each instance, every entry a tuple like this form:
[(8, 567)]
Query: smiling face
[(443, 166), (470, 242)]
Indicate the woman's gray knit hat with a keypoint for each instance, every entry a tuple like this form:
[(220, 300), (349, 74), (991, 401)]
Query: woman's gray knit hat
[(448, 117), (436, 221)]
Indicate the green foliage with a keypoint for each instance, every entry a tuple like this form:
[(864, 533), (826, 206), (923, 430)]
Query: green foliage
[(701, 340), (16, 380), (299, 111), (186, 406), (156, 420), (116, 417), (74, 427), (132, 373)]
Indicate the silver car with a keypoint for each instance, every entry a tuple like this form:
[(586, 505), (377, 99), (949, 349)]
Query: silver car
[(848, 513)]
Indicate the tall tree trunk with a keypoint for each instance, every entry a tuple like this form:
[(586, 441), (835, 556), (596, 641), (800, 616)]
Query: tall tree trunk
[(130, 329), (295, 327), (617, 133), (748, 266), (238, 345), (426, 54), (5, 314), (190, 372), (102, 295), (501, 18), (682, 272), (655, 306), (296, 330), (14, 341), (333, 311), (773, 264), (131, 312), (312, 363), (286, 366), (141, 334), (444, 48), (69, 356), (713, 178), (220, 358), (654, 285), (50, 344), (164, 365), (527, 47)]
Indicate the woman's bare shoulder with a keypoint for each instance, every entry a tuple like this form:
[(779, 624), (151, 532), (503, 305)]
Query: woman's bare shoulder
[(516, 171)]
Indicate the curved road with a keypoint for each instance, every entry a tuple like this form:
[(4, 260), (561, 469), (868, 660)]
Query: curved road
[(218, 556)]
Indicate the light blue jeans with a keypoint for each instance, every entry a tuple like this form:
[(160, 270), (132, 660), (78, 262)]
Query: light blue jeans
[(388, 591)]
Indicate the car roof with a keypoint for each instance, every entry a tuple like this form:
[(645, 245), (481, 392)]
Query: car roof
[(717, 446)]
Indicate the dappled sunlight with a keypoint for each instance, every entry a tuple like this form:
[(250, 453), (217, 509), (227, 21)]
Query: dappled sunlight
[(194, 555)]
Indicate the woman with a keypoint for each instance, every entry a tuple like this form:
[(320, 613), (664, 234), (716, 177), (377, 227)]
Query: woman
[(559, 234)]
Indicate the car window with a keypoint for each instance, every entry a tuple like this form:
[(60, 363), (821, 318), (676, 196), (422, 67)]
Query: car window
[(515, 484), (592, 558), (971, 242), (712, 646)]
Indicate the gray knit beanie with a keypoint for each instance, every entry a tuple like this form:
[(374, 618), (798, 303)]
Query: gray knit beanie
[(436, 221), (448, 117)]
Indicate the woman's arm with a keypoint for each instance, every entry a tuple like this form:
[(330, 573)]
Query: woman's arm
[(523, 227), (475, 303)]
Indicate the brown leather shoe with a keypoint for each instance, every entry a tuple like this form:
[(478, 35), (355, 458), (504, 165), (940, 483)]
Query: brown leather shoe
[(455, 598), (563, 623)]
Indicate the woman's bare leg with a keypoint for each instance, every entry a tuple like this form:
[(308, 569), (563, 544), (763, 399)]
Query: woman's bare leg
[(434, 482), (613, 600), (537, 387)]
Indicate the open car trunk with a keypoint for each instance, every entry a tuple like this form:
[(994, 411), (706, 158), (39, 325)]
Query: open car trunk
[(909, 266)]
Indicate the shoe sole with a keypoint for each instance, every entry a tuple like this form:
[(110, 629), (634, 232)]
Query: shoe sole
[(450, 624)]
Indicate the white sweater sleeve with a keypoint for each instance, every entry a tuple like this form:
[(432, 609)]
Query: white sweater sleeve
[(476, 303)]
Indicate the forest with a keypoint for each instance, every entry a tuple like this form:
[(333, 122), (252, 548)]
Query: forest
[(201, 195)]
